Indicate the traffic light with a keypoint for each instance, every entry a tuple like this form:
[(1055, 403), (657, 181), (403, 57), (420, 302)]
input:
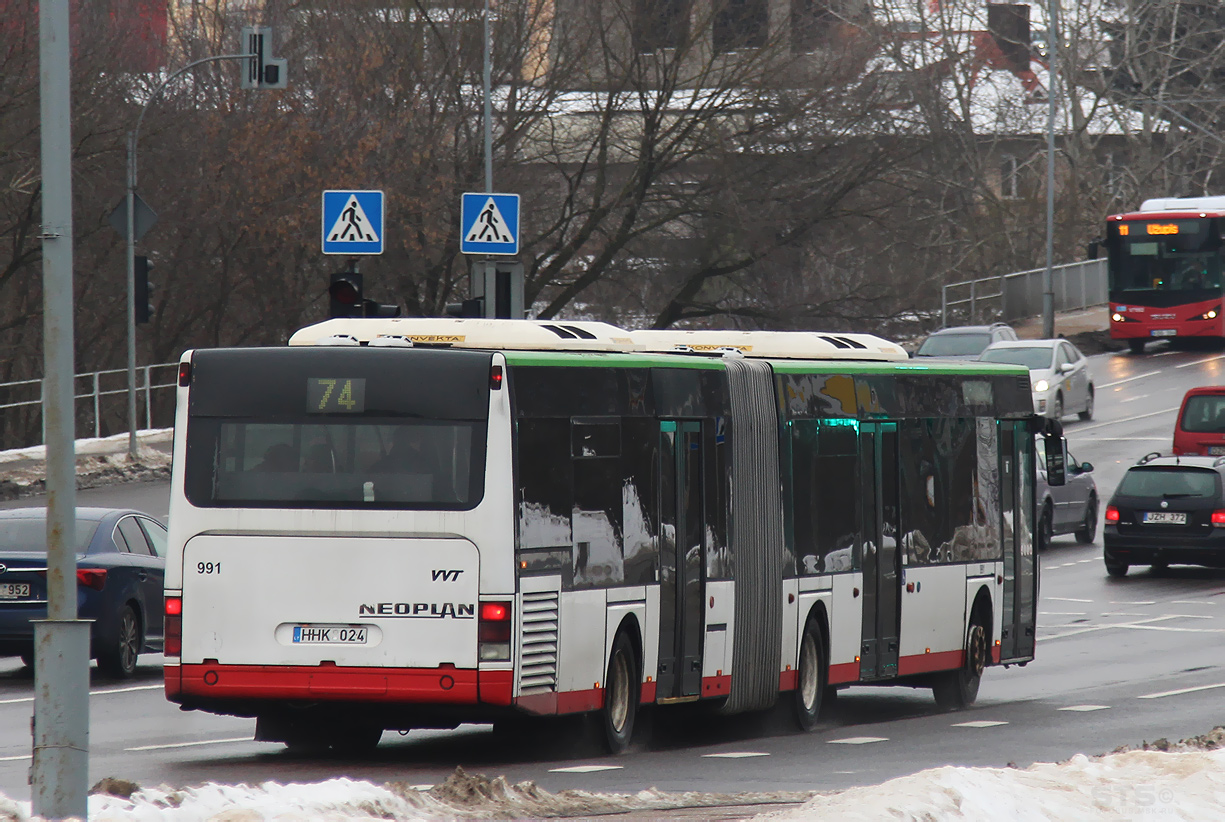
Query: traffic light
[(262, 70), (142, 290), (496, 287), (345, 299)]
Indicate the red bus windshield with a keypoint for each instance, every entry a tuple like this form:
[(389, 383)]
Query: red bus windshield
[(1165, 255)]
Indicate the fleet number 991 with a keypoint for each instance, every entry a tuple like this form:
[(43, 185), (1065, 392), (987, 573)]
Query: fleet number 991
[(208, 567)]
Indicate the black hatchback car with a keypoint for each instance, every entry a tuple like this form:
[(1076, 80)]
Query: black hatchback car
[(1167, 510), (121, 567)]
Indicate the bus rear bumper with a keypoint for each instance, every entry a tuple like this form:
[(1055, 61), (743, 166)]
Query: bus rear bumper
[(419, 686)]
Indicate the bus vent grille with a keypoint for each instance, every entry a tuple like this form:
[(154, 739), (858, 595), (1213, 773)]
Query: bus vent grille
[(538, 662)]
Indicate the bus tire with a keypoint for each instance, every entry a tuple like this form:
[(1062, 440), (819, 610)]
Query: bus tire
[(811, 677), (622, 689), (955, 690), (119, 660), (1135, 345)]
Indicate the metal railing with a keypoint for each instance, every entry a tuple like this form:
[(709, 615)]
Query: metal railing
[(1011, 297), (100, 399)]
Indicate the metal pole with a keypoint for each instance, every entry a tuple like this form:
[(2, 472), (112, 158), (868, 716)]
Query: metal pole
[(59, 773), (131, 238), (1052, 49), (487, 81)]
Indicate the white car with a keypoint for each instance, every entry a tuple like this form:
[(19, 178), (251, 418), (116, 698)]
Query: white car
[(1058, 374)]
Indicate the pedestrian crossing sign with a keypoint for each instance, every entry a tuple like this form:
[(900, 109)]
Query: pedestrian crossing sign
[(489, 224), (352, 222)]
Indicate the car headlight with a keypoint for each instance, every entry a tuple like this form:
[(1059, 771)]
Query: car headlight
[(1042, 385)]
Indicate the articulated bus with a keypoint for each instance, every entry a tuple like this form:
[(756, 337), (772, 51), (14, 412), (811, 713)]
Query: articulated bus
[(1164, 270), (412, 523)]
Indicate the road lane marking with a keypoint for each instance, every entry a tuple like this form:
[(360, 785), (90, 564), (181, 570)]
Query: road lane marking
[(1062, 613), (735, 755), (189, 744), (1084, 708), (1126, 380), (1182, 691), (858, 740), (1082, 429), (979, 723), (1136, 602), (91, 693), (1120, 613), (586, 768), (1068, 599), (16, 758), (1201, 362), (1090, 628), (1191, 602)]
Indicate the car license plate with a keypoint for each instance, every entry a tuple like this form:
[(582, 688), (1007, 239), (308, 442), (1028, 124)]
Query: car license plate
[(1165, 517), (330, 634), (14, 590), (1164, 332)]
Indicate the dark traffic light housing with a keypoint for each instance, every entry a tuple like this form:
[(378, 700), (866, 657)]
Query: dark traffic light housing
[(345, 298), (142, 290)]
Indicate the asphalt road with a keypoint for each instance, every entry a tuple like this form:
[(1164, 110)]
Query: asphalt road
[(1120, 661)]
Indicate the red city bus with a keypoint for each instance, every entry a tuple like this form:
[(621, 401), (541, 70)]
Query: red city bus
[(1165, 270)]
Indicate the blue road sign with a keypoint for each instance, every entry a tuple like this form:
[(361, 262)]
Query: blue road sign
[(352, 222), (489, 224)]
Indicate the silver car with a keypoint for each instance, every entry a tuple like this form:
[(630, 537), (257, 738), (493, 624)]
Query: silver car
[(1058, 375), (1070, 508)]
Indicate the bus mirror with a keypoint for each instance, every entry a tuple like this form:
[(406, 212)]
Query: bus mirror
[(1056, 448), (1091, 251)]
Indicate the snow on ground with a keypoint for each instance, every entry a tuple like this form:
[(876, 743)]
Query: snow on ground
[(1182, 782), (99, 461)]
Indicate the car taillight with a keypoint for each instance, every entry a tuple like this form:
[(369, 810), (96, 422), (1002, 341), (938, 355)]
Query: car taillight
[(92, 578), (173, 627), (1218, 517), (1112, 514), (493, 632)]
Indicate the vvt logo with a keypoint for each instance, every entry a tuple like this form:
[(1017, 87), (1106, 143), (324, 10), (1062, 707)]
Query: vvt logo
[(446, 576)]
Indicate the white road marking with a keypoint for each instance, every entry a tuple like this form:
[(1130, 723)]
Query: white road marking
[(1083, 561), (1182, 691), (1120, 613), (1129, 379), (979, 723), (1137, 602), (1201, 362), (1083, 429), (1131, 439), (858, 740), (1084, 708), (586, 768), (1191, 602), (1066, 565), (735, 755), (15, 758), (1062, 613), (189, 744), (1069, 599), (1085, 629), (1190, 616), (91, 693)]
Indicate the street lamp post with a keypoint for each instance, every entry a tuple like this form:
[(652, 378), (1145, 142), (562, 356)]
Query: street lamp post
[(1052, 51)]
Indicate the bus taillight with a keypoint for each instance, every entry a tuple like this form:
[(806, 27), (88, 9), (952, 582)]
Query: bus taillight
[(495, 378), (184, 373), (493, 632), (173, 627)]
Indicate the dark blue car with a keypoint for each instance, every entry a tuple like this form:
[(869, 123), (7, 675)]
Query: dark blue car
[(121, 566)]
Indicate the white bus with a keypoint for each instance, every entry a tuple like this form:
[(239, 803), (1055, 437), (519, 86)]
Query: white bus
[(407, 523)]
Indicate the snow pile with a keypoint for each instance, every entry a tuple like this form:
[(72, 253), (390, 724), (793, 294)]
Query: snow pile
[(1133, 785), (100, 461)]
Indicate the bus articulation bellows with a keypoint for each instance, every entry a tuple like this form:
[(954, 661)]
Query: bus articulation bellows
[(400, 524)]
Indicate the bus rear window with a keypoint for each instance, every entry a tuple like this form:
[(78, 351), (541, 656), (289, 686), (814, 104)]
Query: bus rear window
[(405, 430)]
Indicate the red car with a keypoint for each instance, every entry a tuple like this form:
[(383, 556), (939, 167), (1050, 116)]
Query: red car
[(1200, 428)]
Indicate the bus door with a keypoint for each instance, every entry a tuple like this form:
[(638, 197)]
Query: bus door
[(681, 557), (1017, 504), (881, 557)]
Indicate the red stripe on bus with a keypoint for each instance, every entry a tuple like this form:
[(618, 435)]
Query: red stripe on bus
[(496, 687), (565, 702), (926, 663), (995, 655), (843, 672), (787, 680), (174, 682), (717, 685), (648, 692), (427, 685)]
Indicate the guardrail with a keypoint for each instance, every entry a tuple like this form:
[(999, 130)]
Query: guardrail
[(100, 400), (1011, 297)]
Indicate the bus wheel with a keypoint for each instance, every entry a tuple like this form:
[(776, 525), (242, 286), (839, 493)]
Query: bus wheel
[(810, 677), (958, 689), (621, 692), (1136, 345)]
